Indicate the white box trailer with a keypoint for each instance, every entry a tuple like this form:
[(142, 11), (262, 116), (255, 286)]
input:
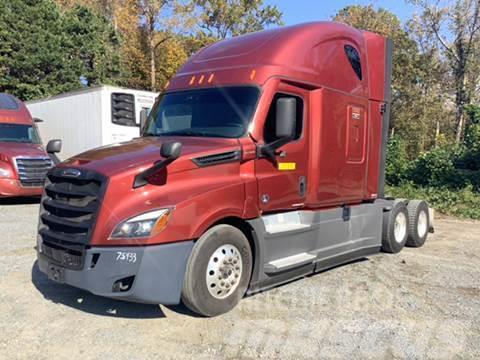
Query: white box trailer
[(91, 117)]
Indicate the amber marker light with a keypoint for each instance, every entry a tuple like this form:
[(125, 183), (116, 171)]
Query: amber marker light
[(252, 74), (200, 81), (210, 78), (192, 80), (161, 223)]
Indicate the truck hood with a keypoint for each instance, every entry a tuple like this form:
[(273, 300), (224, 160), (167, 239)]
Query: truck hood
[(13, 149), (143, 152)]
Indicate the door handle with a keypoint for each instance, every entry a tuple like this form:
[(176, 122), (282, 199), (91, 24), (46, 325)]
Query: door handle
[(302, 186)]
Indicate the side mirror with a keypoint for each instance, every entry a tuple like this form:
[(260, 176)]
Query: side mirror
[(143, 118), (171, 150), (37, 120), (285, 126), (285, 117), (54, 146)]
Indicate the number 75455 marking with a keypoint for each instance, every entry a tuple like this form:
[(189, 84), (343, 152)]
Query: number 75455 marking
[(129, 257)]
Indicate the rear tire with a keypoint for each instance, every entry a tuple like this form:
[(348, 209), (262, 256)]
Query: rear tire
[(395, 228), (419, 223), (218, 271)]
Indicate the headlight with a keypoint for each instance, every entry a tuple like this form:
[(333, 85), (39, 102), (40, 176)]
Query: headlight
[(5, 173), (143, 225)]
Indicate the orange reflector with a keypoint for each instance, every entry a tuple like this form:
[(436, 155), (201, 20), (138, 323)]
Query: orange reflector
[(210, 78), (252, 74), (192, 80), (200, 81), (161, 223)]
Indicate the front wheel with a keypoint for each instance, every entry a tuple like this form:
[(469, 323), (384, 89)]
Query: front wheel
[(218, 271)]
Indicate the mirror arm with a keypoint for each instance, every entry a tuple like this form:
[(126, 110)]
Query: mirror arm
[(268, 150), (141, 179), (54, 158)]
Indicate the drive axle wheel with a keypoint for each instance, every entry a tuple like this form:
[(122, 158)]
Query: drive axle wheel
[(395, 228), (218, 271), (419, 223)]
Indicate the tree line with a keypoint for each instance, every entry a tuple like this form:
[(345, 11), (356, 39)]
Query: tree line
[(51, 46)]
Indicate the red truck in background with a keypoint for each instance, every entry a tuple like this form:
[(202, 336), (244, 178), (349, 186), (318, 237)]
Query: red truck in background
[(262, 162), (23, 160)]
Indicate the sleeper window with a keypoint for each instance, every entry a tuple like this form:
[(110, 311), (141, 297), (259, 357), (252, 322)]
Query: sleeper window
[(354, 59)]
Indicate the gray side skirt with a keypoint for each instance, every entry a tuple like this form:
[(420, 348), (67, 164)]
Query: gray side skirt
[(295, 244)]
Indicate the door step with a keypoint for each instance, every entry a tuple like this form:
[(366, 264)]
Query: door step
[(289, 262)]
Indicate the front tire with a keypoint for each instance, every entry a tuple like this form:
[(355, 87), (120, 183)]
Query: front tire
[(218, 271)]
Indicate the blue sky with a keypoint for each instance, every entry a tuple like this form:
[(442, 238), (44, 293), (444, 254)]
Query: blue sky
[(298, 11)]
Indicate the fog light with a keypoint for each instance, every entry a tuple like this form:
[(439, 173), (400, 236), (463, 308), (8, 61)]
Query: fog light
[(123, 285)]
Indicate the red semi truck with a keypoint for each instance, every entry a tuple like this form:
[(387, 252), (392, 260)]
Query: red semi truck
[(262, 162), (23, 161)]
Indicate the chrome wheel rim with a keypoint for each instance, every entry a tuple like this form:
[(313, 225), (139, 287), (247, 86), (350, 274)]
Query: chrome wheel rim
[(400, 228), (224, 271), (422, 226)]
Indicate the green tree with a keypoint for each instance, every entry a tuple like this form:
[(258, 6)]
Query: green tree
[(93, 41), (223, 18), (455, 30), (35, 52)]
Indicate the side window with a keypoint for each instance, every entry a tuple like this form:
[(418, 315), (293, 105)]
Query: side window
[(123, 109), (354, 59), (269, 129)]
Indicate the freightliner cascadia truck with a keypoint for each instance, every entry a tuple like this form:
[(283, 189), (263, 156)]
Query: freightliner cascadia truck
[(23, 160), (262, 162)]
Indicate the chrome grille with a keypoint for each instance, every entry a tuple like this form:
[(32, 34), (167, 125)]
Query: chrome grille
[(33, 170)]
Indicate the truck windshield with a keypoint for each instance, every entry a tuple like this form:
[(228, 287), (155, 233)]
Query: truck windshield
[(215, 112), (18, 133)]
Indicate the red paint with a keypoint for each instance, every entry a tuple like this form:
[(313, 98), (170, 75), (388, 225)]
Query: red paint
[(10, 185), (338, 151)]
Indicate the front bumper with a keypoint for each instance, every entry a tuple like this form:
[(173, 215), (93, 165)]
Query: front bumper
[(157, 272), (12, 187)]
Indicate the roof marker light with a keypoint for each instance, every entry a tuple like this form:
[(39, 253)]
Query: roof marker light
[(192, 80), (252, 74), (200, 81), (210, 78), (167, 84)]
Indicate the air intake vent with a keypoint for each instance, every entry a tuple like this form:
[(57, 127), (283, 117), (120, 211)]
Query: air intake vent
[(215, 159)]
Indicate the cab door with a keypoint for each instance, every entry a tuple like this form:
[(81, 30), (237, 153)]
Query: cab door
[(282, 184)]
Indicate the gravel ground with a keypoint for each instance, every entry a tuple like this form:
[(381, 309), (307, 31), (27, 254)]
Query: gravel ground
[(422, 303)]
